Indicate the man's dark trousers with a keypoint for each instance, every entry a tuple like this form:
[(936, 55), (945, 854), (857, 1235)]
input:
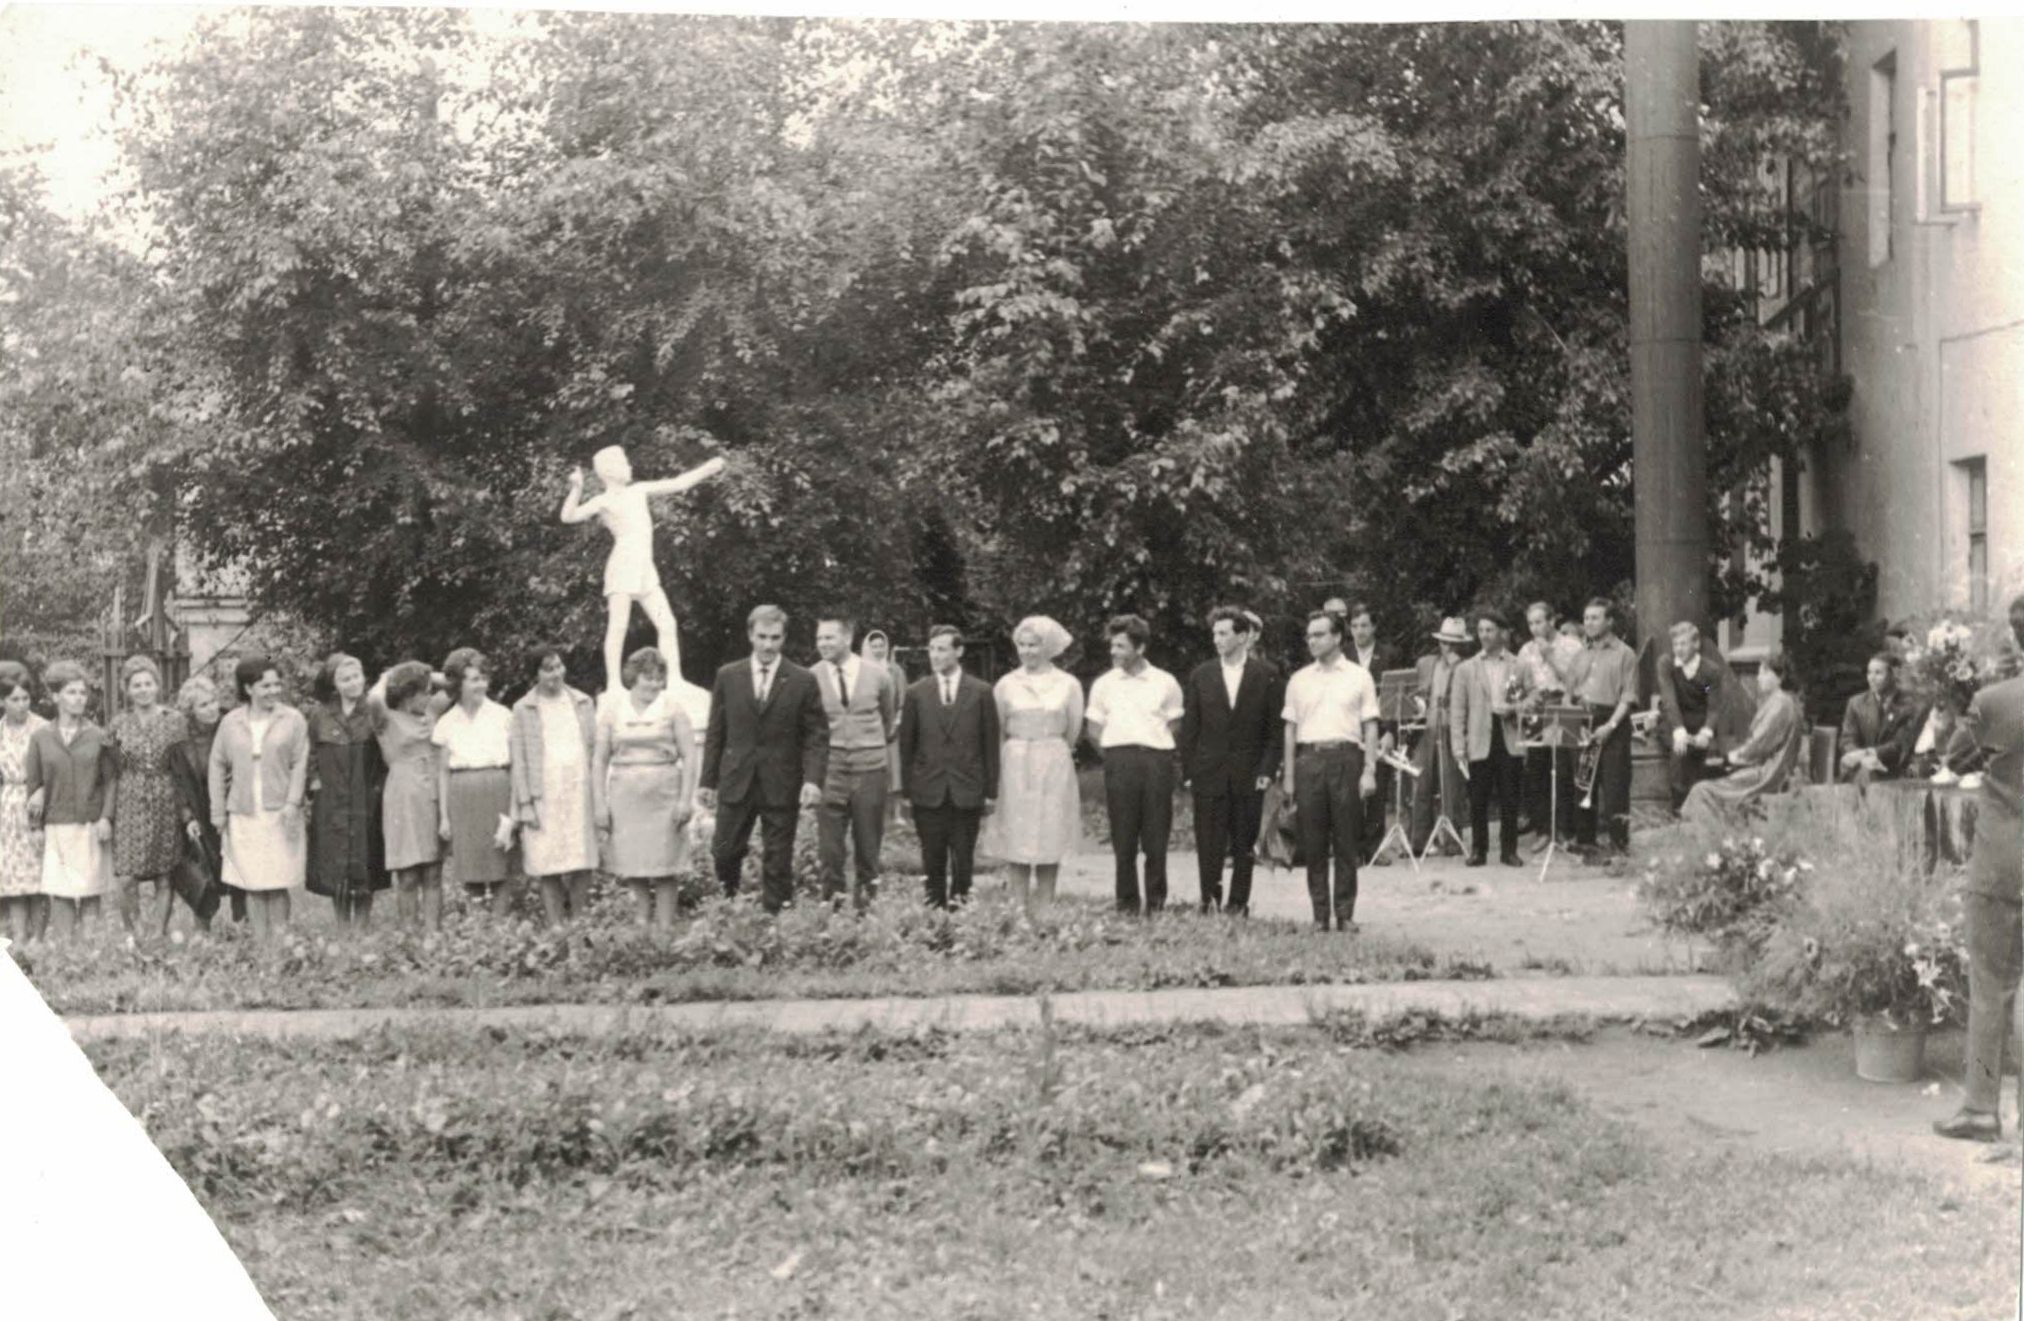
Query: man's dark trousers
[(1138, 790), (777, 827), (1612, 786), (853, 803), (1328, 812), (1502, 771), (948, 850), (1226, 825)]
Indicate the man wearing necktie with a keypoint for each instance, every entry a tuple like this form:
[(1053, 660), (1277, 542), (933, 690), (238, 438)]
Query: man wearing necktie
[(764, 758), (949, 740), (861, 705)]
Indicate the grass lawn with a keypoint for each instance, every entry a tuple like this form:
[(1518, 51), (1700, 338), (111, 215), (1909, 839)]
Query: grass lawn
[(719, 951), (1181, 1172)]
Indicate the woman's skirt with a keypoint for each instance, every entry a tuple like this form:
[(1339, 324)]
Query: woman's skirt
[(409, 815), (478, 798), (262, 854), (645, 841), (1039, 816), (74, 864), (566, 840)]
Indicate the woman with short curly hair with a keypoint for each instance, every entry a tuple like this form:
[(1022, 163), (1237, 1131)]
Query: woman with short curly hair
[(190, 769), (259, 776), (146, 845), (22, 905), (404, 705), (643, 784), (347, 854), (475, 738), (73, 790)]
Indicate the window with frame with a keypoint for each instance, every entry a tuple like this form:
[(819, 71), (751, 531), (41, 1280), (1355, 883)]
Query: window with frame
[(1976, 474)]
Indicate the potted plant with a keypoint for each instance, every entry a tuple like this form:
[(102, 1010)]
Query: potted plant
[(1872, 943)]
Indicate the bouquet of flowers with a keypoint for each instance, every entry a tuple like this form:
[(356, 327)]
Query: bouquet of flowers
[(1958, 659)]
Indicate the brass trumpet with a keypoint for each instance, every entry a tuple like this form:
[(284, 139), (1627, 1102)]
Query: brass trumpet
[(1588, 758)]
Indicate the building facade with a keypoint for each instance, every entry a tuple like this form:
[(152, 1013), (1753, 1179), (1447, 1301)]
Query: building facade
[(1930, 317)]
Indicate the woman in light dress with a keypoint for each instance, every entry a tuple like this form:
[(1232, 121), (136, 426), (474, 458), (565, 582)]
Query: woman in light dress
[(146, 843), (1039, 816), (347, 853), (475, 783), (403, 706), (259, 777), (1764, 761), (23, 909), (554, 735), (643, 784), (73, 788)]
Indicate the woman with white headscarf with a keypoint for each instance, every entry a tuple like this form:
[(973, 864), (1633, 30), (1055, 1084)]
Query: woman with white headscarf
[(1039, 814)]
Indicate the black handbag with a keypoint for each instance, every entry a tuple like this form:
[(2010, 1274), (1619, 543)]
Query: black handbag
[(195, 878)]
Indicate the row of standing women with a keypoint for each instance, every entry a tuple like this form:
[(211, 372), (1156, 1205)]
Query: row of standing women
[(419, 777)]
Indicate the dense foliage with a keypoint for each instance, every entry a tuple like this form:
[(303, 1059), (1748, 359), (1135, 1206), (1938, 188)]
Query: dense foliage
[(988, 318)]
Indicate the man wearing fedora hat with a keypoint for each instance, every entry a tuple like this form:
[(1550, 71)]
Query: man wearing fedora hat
[(1439, 787)]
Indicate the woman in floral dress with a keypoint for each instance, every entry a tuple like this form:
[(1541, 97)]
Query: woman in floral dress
[(146, 838), (22, 906), (1039, 816)]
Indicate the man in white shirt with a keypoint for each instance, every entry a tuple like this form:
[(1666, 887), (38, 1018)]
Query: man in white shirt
[(1548, 657), (1133, 713), (1331, 716)]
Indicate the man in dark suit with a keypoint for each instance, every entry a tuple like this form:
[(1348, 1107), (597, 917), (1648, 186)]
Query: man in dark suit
[(764, 757), (949, 765), (1879, 727), (1991, 907), (1230, 750), (1366, 651)]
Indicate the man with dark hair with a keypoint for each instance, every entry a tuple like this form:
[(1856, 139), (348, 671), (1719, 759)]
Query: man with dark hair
[(1880, 726), (1484, 702), (1134, 710), (1229, 753), (862, 705), (1363, 648), (1991, 906), (1604, 678), (949, 743), (1547, 656), (765, 757), (1331, 721)]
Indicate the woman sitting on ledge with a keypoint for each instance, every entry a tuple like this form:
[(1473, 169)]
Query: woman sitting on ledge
[(1764, 761)]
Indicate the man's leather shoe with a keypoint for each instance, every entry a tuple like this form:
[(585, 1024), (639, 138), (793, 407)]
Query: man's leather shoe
[(1970, 1126), (1512, 860), (1477, 860)]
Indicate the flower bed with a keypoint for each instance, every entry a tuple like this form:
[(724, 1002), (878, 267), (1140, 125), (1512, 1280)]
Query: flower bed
[(1820, 915)]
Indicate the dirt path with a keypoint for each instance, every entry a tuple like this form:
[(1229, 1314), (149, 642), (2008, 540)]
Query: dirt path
[(1662, 999), (1579, 919), (1796, 1101)]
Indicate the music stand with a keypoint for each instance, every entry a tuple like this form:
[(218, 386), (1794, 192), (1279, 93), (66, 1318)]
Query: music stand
[(1555, 724), (1394, 705)]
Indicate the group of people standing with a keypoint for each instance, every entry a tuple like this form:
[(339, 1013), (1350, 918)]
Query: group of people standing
[(422, 776)]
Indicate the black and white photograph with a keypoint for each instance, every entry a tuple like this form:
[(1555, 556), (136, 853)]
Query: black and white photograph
[(1020, 664)]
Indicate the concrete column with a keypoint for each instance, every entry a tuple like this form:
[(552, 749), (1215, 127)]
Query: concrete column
[(1669, 467)]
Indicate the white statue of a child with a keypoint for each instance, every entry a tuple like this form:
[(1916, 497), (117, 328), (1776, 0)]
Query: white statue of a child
[(629, 575)]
